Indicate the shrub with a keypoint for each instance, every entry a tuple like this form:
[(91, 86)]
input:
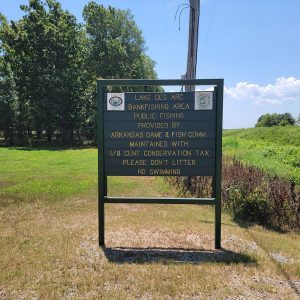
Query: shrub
[(250, 195)]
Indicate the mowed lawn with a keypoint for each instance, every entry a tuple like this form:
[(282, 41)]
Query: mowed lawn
[(49, 247)]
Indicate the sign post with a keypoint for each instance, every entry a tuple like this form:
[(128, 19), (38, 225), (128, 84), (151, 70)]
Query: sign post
[(160, 134)]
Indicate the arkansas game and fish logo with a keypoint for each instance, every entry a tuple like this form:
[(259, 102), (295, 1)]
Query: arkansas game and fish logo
[(203, 100), (115, 101)]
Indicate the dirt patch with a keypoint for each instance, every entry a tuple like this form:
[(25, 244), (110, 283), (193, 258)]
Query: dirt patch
[(90, 253), (234, 242), (3, 293), (157, 237), (131, 248), (281, 258), (130, 207)]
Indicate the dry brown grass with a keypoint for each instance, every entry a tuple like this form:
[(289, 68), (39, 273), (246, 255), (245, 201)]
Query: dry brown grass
[(50, 251)]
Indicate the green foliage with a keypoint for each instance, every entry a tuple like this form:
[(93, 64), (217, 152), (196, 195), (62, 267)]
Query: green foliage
[(275, 149), (289, 135), (253, 207), (116, 46), (54, 62), (252, 195), (115, 49), (8, 101), (48, 59), (269, 120)]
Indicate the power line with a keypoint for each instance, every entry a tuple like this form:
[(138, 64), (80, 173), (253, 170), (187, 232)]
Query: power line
[(209, 24), (185, 6)]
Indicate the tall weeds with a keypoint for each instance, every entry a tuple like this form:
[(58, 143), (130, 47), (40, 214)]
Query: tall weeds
[(250, 195)]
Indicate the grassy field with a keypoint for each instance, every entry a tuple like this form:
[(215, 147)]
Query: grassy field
[(275, 149), (49, 247)]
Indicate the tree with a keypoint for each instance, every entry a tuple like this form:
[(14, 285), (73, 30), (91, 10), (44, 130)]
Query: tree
[(8, 101), (285, 119), (48, 60), (50, 63), (268, 120), (115, 49), (116, 46), (11, 63)]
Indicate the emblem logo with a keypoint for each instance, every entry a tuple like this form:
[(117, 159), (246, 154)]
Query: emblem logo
[(115, 101), (203, 101)]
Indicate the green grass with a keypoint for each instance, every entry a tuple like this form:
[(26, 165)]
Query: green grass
[(49, 245), (28, 174), (275, 149), (279, 135)]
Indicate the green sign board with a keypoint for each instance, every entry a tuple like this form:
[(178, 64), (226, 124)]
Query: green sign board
[(160, 134)]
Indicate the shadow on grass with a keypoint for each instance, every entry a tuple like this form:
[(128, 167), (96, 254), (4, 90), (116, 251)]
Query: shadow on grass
[(249, 224), (175, 255)]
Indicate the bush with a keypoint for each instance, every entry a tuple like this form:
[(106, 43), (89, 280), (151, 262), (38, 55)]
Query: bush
[(250, 195), (264, 199), (269, 120)]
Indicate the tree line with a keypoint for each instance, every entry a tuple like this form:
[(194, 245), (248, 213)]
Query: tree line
[(269, 120), (49, 64)]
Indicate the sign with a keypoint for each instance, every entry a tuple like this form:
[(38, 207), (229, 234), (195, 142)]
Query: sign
[(160, 134)]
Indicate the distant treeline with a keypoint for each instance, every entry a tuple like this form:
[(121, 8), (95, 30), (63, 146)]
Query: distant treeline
[(49, 64), (269, 120)]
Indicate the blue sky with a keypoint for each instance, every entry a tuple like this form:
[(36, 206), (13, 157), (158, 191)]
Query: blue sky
[(253, 44)]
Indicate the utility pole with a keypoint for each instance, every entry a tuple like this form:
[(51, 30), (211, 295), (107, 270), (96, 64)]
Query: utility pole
[(192, 43), (191, 63)]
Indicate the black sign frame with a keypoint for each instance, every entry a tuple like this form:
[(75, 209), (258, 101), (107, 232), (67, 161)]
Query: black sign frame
[(103, 198)]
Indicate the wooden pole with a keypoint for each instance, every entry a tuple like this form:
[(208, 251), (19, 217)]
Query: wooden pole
[(192, 43), (191, 63)]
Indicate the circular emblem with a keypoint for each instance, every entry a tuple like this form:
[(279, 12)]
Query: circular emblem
[(203, 100), (115, 101)]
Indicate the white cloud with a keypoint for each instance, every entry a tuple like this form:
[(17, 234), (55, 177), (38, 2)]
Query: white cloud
[(284, 89)]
